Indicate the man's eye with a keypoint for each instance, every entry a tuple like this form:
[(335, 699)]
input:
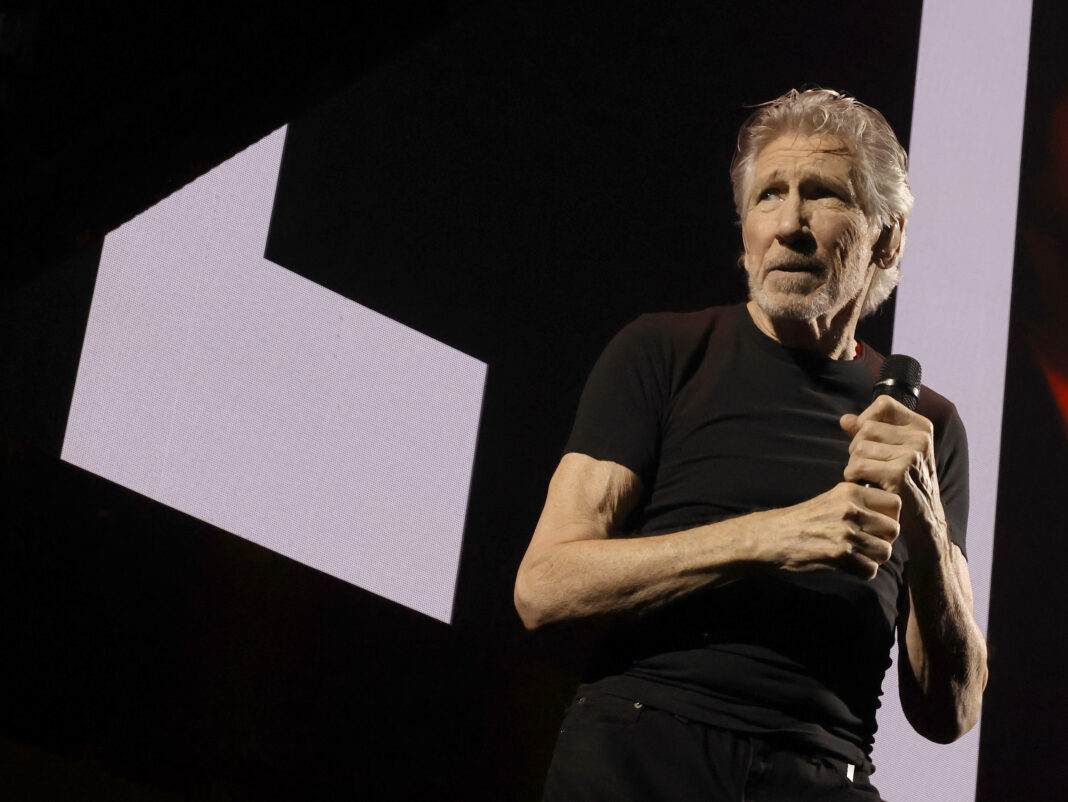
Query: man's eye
[(768, 194), (832, 193)]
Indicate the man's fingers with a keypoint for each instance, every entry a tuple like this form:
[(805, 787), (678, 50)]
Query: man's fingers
[(849, 528), (867, 554), (874, 450), (881, 526), (888, 475), (850, 424), (886, 409), (875, 510), (877, 541), (873, 500), (879, 432), (861, 566), (866, 471)]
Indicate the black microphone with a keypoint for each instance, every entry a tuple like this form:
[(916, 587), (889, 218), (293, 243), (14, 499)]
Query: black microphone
[(900, 379)]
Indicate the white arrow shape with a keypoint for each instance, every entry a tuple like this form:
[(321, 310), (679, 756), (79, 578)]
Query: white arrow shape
[(225, 386)]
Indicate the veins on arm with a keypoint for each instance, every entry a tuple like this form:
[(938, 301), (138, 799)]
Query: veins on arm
[(942, 661)]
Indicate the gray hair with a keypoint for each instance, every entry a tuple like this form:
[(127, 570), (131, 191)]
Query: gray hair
[(880, 165)]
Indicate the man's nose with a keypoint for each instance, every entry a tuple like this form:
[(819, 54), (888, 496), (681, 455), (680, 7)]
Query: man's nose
[(793, 229), (791, 218)]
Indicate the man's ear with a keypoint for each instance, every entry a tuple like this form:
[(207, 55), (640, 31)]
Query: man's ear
[(888, 245)]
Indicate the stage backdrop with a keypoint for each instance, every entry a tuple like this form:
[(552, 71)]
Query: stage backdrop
[(277, 443)]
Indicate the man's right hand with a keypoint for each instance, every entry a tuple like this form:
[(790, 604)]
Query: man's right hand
[(850, 528)]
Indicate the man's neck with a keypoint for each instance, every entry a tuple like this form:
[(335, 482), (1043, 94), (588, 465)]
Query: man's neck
[(833, 335)]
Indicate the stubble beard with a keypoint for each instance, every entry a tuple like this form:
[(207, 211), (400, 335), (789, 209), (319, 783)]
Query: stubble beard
[(791, 302)]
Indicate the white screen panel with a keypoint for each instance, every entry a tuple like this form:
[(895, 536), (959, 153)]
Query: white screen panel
[(234, 390), (953, 304)]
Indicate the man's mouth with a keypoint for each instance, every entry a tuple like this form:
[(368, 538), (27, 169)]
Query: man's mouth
[(798, 267)]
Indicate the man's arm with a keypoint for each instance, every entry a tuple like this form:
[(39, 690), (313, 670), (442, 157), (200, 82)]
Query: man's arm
[(574, 568), (942, 653)]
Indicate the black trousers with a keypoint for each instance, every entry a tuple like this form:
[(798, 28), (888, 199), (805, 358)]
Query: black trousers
[(618, 750)]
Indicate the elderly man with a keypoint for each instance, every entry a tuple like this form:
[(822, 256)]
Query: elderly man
[(751, 539)]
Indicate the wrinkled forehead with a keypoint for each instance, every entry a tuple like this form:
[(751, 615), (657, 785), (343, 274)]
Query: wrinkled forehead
[(794, 152)]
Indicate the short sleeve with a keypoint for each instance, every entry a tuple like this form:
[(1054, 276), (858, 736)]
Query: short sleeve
[(621, 410), (951, 453)]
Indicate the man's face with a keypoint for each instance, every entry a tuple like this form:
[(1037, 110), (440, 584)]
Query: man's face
[(808, 244)]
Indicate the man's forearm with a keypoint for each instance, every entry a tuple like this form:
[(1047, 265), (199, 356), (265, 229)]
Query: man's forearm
[(584, 578), (945, 658), (581, 575)]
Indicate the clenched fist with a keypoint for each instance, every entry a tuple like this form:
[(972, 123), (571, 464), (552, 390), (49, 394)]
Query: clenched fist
[(850, 528), (893, 448)]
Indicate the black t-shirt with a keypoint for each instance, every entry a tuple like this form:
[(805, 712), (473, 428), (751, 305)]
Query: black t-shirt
[(720, 420)]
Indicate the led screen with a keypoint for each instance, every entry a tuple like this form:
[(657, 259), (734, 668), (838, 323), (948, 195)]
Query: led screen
[(952, 308), (229, 388)]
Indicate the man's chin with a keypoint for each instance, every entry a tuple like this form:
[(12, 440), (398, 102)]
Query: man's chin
[(791, 305)]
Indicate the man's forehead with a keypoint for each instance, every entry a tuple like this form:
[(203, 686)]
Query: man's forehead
[(822, 151)]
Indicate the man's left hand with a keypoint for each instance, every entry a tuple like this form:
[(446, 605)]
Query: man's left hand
[(893, 447)]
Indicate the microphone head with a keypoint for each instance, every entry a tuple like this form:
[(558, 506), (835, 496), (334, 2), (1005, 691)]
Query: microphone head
[(900, 379)]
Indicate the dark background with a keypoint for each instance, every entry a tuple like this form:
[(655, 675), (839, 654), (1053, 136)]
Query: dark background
[(516, 179)]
